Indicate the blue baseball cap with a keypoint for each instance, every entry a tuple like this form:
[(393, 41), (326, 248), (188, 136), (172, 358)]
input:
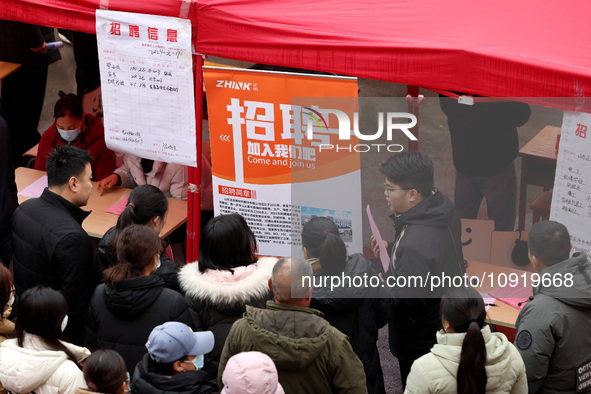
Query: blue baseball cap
[(172, 341)]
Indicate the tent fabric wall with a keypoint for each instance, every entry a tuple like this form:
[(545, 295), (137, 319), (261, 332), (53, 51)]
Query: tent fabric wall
[(500, 49), (506, 48)]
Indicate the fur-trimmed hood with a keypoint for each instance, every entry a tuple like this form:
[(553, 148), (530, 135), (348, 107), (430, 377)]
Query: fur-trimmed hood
[(223, 287)]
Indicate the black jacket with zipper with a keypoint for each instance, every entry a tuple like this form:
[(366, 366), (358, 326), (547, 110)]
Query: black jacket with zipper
[(427, 244), (121, 317), (358, 313), (52, 249)]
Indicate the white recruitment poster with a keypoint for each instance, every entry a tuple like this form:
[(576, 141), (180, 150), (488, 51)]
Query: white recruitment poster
[(147, 85), (270, 167), (571, 198)]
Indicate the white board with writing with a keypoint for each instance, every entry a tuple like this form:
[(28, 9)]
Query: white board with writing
[(147, 85), (571, 198)]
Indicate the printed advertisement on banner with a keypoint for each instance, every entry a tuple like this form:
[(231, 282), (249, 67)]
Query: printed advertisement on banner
[(571, 197), (147, 85), (271, 135)]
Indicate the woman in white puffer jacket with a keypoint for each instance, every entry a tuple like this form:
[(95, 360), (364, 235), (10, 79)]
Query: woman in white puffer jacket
[(468, 358), (37, 360)]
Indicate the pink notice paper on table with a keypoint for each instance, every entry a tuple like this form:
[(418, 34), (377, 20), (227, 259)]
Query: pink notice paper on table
[(119, 207), (376, 234), (35, 189), (516, 297), (488, 301)]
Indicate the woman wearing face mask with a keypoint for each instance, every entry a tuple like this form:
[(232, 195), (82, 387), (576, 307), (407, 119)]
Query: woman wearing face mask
[(132, 301), (84, 131), (148, 206), (38, 360), (354, 310)]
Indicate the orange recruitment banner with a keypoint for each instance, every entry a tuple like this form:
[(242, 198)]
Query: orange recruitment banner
[(283, 152)]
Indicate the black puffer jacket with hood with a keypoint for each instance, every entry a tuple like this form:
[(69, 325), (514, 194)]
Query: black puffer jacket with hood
[(553, 330), (121, 317), (356, 312), (168, 269), (427, 244), (146, 381)]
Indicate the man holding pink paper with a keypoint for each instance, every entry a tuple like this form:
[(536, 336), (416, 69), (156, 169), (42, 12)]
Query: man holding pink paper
[(553, 335), (427, 243)]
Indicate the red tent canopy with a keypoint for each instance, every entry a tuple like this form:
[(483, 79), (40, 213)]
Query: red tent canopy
[(80, 14), (502, 49)]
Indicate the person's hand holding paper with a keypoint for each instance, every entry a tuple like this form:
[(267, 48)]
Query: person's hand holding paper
[(377, 243)]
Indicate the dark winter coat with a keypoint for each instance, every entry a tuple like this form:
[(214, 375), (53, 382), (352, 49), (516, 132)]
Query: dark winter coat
[(121, 317), (311, 356), (17, 39), (484, 137), (8, 192), (217, 298), (51, 248), (187, 382), (168, 269), (354, 312), (553, 330), (427, 244)]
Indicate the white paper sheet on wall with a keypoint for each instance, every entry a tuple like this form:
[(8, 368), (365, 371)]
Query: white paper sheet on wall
[(147, 85), (571, 198)]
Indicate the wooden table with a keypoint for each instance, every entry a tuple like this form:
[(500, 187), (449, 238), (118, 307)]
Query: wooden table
[(502, 315), (32, 152), (538, 165), (99, 221), (7, 68)]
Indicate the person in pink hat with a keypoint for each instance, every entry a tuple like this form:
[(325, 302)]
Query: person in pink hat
[(251, 373)]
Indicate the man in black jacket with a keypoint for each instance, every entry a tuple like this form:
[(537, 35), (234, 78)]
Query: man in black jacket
[(23, 91), (427, 244), (484, 144), (50, 246)]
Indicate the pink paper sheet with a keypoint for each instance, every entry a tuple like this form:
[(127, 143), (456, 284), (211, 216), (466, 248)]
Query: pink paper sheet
[(376, 234), (35, 189), (488, 301), (516, 297), (118, 207)]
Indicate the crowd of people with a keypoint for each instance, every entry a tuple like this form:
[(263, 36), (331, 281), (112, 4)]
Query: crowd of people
[(128, 319)]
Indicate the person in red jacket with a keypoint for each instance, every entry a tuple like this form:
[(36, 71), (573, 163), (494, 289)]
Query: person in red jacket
[(81, 130)]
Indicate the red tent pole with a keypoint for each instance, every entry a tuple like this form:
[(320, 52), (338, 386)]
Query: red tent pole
[(413, 108), (194, 198)]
